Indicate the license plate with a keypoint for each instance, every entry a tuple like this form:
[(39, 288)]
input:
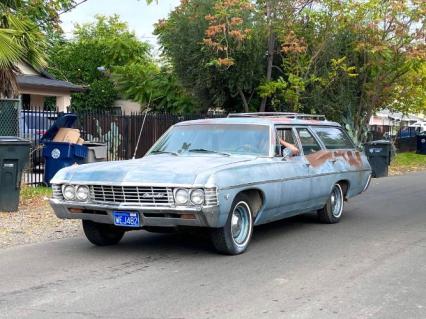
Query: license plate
[(126, 219)]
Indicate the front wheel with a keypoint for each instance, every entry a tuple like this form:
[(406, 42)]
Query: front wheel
[(234, 237), (333, 209), (102, 234)]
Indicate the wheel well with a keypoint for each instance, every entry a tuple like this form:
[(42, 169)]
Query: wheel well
[(256, 199), (344, 184)]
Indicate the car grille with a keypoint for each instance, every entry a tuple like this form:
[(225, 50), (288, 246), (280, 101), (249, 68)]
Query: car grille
[(136, 195), (132, 195)]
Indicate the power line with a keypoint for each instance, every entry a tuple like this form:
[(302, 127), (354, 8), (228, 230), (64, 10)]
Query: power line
[(72, 7)]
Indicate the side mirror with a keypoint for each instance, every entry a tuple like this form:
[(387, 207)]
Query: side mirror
[(287, 153)]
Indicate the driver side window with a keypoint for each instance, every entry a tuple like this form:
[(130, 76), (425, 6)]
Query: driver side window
[(287, 135)]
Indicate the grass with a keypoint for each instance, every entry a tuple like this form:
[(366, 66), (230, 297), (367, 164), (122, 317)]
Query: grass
[(29, 193), (408, 162), (34, 195)]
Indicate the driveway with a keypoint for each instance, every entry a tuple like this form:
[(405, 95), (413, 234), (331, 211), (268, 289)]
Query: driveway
[(370, 265)]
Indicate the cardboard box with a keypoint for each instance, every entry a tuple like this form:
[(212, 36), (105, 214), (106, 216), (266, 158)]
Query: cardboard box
[(67, 135)]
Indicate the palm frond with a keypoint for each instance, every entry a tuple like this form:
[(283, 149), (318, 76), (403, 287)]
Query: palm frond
[(10, 49), (20, 41)]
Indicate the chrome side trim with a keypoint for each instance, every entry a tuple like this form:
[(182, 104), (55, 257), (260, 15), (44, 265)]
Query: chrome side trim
[(367, 184), (289, 179)]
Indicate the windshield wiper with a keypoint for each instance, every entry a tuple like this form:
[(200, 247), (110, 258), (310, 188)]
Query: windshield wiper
[(202, 150), (164, 152)]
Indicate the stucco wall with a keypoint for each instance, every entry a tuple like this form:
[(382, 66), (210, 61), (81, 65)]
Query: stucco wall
[(128, 106)]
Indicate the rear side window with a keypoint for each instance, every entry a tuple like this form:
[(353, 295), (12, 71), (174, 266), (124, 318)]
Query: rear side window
[(333, 138), (309, 144)]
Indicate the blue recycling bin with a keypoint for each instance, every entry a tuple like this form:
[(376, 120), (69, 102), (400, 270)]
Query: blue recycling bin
[(59, 155)]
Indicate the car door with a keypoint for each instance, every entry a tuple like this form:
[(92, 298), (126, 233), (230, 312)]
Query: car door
[(293, 172), (319, 162)]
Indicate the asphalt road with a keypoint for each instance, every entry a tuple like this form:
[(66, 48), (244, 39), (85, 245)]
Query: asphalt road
[(370, 265)]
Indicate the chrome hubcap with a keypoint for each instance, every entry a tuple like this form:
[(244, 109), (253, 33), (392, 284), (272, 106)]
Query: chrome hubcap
[(240, 224), (336, 201)]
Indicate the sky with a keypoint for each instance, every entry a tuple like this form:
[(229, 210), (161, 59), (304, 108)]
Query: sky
[(139, 16)]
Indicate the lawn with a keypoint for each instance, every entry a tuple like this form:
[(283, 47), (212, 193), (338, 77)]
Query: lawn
[(35, 195), (407, 162)]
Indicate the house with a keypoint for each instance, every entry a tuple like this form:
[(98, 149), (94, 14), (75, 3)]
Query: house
[(390, 123), (35, 86)]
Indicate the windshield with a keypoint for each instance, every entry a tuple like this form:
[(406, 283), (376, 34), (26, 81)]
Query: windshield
[(223, 139)]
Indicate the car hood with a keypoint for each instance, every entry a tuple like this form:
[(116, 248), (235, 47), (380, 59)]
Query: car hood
[(154, 169)]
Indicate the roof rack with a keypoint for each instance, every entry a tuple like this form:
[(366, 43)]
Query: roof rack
[(291, 115)]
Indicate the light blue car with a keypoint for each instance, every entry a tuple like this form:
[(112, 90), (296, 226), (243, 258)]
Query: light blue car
[(226, 175)]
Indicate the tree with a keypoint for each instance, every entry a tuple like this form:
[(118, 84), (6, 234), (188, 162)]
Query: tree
[(156, 88), (214, 50), (20, 41), (23, 28), (382, 43), (92, 55), (345, 59)]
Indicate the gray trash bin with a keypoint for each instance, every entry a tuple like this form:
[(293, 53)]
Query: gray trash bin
[(97, 152), (14, 156), (379, 154)]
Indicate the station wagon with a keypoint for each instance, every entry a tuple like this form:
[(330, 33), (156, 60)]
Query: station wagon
[(225, 175)]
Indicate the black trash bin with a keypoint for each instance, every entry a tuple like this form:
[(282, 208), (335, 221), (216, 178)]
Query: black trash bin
[(14, 156), (379, 154), (59, 155), (421, 143)]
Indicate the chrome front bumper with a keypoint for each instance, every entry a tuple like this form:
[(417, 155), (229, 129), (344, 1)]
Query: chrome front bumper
[(206, 216)]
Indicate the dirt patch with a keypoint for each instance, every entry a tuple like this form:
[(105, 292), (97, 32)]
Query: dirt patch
[(397, 171), (35, 222)]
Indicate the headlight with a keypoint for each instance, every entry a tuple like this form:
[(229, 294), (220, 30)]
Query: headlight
[(181, 196), (69, 192), (197, 196), (82, 193)]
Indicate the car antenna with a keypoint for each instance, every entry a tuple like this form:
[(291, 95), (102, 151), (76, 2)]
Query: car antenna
[(140, 132)]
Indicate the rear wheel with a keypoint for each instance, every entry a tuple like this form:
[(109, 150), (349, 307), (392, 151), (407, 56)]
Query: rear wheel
[(234, 237), (102, 234), (333, 209)]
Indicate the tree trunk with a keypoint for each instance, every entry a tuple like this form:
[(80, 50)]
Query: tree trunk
[(271, 47), (243, 98)]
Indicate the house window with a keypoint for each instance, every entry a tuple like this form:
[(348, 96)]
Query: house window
[(26, 101)]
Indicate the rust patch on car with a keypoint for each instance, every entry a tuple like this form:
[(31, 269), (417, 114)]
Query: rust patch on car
[(319, 158), (353, 158)]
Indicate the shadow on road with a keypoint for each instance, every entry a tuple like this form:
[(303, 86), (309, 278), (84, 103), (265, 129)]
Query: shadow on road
[(196, 241)]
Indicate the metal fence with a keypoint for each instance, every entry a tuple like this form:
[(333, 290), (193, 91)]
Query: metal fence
[(119, 132), (9, 117)]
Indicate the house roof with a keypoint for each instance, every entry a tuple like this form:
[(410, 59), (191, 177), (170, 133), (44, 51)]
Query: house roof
[(398, 116), (45, 80)]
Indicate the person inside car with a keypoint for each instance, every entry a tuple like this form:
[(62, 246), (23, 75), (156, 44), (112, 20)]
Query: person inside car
[(290, 147)]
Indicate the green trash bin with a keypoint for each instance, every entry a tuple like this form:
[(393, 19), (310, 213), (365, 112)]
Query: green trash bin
[(14, 156), (379, 154)]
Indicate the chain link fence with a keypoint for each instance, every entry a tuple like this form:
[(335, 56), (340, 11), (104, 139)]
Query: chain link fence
[(9, 117)]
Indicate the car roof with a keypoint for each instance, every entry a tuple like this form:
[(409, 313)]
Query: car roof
[(270, 120)]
